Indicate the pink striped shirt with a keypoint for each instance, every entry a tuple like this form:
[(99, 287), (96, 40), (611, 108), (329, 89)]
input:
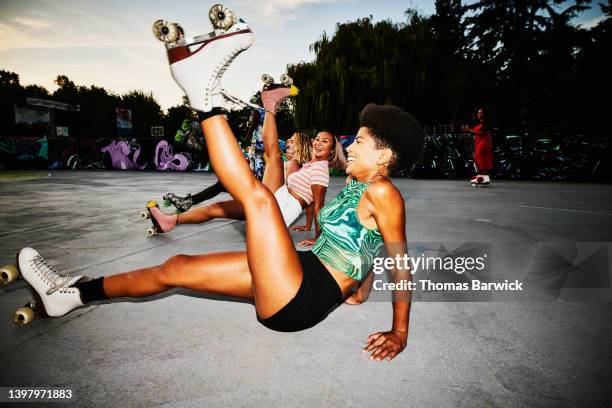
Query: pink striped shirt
[(301, 181)]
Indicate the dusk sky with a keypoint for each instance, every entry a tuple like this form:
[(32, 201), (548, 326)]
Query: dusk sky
[(110, 43)]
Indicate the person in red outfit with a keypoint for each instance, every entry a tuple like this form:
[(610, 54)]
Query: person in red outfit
[(483, 149)]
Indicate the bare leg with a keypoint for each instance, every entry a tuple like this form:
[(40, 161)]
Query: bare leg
[(274, 174), (273, 262), (223, 209), (269, 272), (221, 273)]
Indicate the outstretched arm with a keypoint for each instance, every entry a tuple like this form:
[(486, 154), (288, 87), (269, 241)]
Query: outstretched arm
[(308, 226), (318, 192), (390, 216)]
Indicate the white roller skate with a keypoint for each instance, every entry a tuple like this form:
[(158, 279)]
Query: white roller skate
[(198, 63), (55, 290)]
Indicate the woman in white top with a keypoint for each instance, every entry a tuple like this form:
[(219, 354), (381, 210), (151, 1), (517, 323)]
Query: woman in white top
[(304, 186)]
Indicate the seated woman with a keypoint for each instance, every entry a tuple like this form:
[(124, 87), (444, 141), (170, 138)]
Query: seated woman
[(296, 191), (291, 290)]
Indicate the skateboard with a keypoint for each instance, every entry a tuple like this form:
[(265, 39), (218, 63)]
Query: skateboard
[(221, 17), (146, 215), (31, 310)]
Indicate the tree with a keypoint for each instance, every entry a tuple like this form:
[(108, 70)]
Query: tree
[(11, 93), (35, 91), (146, 112), (173, 120), (521, 41), (365, 62)]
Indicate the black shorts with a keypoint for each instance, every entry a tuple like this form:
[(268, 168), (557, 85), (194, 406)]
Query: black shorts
[(318, 295)]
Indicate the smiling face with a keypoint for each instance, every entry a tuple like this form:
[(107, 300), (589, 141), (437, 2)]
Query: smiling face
[(323, 146), (364, 158)]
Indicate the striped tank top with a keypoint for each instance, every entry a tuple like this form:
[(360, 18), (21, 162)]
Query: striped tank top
[(301, 181), (344, 243)]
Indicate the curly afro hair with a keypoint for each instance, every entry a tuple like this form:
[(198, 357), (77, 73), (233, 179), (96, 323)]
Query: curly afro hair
[(395, 129)]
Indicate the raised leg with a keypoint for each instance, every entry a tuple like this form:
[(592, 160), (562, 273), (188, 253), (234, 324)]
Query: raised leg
[(208, 193), (273, 262), (274, 174)]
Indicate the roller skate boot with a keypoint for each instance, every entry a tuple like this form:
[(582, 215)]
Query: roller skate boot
[(161, 222), (198, 63), (165, 222), (181, 204), (273, 95), (481, 181), (55, 290)]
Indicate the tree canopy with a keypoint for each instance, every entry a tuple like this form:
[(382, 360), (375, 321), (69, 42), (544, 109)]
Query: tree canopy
[(523, 60)]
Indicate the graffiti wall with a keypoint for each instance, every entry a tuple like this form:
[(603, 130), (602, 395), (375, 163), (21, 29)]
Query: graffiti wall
[(570, 157), (185, 151), (26, 153)]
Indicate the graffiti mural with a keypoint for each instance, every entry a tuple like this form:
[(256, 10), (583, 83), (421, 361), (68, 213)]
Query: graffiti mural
[(124, 155), (524, 157), (166, 160)]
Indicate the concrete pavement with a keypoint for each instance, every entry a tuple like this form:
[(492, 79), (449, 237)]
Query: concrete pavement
[(186, 349)]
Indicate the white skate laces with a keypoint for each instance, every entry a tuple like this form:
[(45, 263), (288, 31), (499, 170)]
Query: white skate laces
[(216, 96), (54, 280), (198, 68)]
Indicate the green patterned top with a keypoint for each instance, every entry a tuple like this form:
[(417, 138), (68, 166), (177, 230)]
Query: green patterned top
[(345, 243)]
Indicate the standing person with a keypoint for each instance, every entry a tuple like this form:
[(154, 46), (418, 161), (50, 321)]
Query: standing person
[(483, 149)]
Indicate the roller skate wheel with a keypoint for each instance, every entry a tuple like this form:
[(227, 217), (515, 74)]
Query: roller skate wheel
[(267, 79), (151, 203), (23, 315), (286, 80), (8, 274), (145, 215), (293, 91), (151, 231), (166, 31), (221, 16)]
